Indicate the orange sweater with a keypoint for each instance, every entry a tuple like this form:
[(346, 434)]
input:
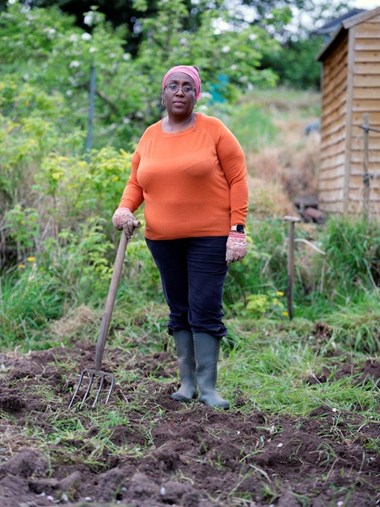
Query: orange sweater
[(193, 183)]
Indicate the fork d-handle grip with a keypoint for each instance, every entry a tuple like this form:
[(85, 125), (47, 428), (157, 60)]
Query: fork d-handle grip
[(118, 266)]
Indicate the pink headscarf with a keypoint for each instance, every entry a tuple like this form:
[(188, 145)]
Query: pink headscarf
[(190, 71)]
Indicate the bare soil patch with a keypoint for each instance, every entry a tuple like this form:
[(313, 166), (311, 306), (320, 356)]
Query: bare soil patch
[(168, 453)]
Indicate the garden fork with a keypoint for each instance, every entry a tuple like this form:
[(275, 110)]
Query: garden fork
[(96, 374)]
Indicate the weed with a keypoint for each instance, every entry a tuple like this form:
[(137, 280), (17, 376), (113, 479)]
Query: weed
[(270, 492), (303, 500)]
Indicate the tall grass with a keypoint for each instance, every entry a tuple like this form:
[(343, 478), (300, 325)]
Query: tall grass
[(357, 325), (253, 127), (288, 102), (252, 124), (27, 304), (352, 263)]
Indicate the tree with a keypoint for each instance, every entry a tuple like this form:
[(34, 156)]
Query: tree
[(292, 23), (283, 19), (44, 47)]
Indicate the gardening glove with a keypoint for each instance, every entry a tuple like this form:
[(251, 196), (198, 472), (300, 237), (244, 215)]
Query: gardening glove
[(236, 246), (123, 218)]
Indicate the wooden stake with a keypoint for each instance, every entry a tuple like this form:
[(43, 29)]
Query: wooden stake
[(292, 221)]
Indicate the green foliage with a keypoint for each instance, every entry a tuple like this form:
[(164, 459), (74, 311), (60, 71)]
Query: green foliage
[(58, 56), (32, 125), (84, 187), (71, 190), (262, 273), (79, 262), (352, 247), (254, 127), (27, 302), (357, 325), (23, 228), (260, 305), (345, 275), (233, 54), (295, 63)]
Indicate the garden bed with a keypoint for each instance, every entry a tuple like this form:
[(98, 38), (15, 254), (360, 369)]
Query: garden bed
[(144, 449)]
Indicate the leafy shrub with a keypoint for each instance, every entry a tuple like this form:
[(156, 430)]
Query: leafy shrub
[(83, 187), (79, 262), (23, 228)]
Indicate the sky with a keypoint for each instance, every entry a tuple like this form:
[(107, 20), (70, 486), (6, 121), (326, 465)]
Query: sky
[(366, 4)]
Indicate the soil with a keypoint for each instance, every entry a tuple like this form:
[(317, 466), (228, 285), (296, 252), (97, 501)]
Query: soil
[(156, 452)]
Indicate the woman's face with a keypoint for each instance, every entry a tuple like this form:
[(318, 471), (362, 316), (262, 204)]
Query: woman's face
[(179, 95)]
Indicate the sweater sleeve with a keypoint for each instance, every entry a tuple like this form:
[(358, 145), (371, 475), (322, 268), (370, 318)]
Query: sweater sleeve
[(233, 163), (132, 196)]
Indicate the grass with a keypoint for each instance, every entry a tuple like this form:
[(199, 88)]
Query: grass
[(27, 303), (273, 372), (257, 117), (255, 128), (295, 103)]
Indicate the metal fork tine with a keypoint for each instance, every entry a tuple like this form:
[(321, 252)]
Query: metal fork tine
[(90, 382), (101, 382), (76, 389), (101, 376), (111, 388)]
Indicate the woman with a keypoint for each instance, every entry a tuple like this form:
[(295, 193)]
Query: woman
[(190, 172)]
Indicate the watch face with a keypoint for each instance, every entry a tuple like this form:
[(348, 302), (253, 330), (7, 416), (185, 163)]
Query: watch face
[(240, 228)]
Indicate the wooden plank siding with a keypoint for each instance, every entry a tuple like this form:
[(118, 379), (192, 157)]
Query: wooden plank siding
[(333, 127), (350, 88), (365, 99)]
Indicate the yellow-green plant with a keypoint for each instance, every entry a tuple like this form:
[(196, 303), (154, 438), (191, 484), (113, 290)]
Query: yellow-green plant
[(22, 225)]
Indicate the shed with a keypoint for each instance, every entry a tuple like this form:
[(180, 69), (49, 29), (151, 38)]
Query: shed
[(349, 173)]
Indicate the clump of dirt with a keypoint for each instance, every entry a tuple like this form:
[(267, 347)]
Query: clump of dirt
[(322, 331), (368, 371), (145, 450)]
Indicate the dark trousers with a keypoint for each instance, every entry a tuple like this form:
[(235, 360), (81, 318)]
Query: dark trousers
[(192, 272)]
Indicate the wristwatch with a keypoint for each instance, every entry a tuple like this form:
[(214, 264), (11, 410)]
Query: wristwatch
[(238, 228)]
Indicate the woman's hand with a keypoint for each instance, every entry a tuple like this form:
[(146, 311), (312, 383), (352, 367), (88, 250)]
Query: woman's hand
[(123, 218), (236, 246)]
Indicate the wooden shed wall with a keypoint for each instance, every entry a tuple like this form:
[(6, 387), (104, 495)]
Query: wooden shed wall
[(351, 88), (333, 129), (364, 96)]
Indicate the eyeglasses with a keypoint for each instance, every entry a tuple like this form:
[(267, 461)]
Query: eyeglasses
[(174, 87)]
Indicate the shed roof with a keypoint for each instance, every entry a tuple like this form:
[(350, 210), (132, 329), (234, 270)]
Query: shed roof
[(344, 27), (331, 26)]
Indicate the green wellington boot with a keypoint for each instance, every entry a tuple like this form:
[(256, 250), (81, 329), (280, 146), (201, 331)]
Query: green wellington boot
[(185, 355), (206, 349)]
